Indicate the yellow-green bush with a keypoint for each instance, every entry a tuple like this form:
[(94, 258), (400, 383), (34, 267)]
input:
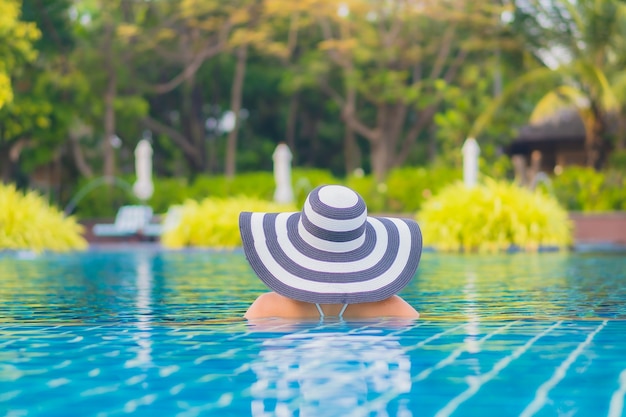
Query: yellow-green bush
[(28, 222), (491, 217), (214, 222)]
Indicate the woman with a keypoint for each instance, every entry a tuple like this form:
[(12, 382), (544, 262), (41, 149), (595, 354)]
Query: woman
[(331, 259)]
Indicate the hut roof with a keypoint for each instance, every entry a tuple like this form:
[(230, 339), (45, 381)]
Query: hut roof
[(565, 126)]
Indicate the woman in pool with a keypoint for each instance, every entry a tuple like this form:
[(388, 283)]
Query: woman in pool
[(331, 259)]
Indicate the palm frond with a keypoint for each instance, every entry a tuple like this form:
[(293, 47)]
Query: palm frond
[(556, 101), (619, 86), (531, 77)]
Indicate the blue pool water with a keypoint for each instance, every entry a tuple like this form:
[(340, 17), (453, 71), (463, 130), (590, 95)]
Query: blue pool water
[(145, 332)]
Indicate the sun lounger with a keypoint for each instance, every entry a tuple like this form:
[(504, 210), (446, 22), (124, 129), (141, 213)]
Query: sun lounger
[(129, 221), (170, 221)]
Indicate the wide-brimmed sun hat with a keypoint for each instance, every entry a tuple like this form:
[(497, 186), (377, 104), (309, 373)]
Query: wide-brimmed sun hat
[(332, 252)]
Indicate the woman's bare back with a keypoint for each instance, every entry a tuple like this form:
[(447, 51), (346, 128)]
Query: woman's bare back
[(272, 304)]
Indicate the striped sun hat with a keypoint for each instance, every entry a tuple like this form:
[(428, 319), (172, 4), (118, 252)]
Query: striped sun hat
[(332, 252)]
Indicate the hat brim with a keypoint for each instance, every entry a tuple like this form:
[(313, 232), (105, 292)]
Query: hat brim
[(380, 267)]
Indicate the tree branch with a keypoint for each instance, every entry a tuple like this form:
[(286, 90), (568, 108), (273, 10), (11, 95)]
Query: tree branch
[(328, 35), (444, 51), (176, 136), (79, 156), (425, 117), (348, 113), (331, 92), (196, 62), (349, 116), (397, 122)]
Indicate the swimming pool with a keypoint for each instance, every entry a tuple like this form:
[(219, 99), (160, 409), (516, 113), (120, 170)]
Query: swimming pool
[(140, 331)]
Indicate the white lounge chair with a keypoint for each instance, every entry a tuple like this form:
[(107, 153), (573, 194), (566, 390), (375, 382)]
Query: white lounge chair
[(129, 221), (170, 221)]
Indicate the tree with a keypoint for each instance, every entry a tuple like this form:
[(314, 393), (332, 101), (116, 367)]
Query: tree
[(16, 51), (581, 46), (101, 59), (388, 58), (16, 46), (179, 39)]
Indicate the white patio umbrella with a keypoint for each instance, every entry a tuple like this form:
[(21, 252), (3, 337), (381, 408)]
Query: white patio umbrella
[(471, 151), (282, 174), (143, 187)]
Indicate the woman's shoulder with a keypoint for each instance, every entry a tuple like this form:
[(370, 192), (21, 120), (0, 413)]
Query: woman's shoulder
[(271, 304), (394, 306)]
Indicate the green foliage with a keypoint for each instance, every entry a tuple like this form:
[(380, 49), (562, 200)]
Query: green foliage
[(591, 34), (493, 164), (404, 190), (260, 185), (46, 91), (584, 189), (168, 192), (28, 222), (492, 217), (99, 199), (214, 222), (16, 45), (103, 200), (255, 184), (305, 180), (374, 194), (409, 188), (617, 160)]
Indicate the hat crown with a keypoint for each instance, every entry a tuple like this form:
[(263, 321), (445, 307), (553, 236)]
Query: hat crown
[(331, 215)]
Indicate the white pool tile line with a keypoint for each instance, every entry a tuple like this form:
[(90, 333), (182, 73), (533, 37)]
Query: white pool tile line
[(617, 399), (457, 352), (483, 379), (541, 395)]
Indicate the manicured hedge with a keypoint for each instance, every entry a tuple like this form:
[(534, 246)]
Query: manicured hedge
[(493, 216), (28, 222)]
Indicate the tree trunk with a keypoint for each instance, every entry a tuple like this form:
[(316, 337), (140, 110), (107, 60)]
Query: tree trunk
[(109, 101), (197, 121), (380, 158), (109, 126), (192, 126), (79, 157), (190, 151), (235, 104), (352, 152), (292, 117), (6, 166), (620, 144), (594, 142)]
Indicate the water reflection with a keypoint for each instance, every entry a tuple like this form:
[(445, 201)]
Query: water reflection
[(471, 312), (312, 373), (493, 287), (152, 286), (143, 312)]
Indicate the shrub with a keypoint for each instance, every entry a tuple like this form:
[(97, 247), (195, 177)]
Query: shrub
[(617, 160), (408, 188), (98, 198), (214, 221), (28, 222), (253, 184), (168, 192), (375, 195), (584, 189), (305, 180), (491, 217), (259, 185)]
